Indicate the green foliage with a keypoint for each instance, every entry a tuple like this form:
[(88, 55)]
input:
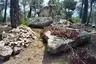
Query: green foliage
[(68, 14), (69, 4), (76, 19), (58, 5), (68, 7), (35, 3), (63, 16), (52, 2), (24, 22)]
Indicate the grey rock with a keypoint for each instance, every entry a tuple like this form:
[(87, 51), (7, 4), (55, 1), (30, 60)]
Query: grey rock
[(26, 45), (16, 50), (5, 52), (57, 44), (40, 22), (2, 43)]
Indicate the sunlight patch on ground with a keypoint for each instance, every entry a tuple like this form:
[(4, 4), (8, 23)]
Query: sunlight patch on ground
[(93, 31)]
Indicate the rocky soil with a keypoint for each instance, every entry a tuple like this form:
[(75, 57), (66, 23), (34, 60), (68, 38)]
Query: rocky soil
[(36, 53)]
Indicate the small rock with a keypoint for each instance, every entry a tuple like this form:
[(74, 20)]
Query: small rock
[(26, 45), (17, 56), (5, 52), (2, 43), (16, 50)]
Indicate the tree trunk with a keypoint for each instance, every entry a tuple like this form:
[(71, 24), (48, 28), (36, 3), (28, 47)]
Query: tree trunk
[(14, 13), (65, 13), (90, 13), (81, 10), (4, 19), (35, 12), (50, 10), (24, 13), (85, 12), (29, 14)]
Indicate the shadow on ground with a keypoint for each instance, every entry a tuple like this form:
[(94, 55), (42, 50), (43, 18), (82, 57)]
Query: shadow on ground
[(61, 58)]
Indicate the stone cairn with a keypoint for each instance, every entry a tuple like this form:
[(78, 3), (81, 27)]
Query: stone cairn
[(13, 41)]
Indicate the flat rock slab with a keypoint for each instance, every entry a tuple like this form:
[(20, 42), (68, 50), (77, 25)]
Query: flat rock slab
[(59, 40), (40, 22)]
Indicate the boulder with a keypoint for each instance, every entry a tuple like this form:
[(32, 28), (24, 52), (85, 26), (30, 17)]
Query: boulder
[(5, 52), (40, 22), (60, 40)]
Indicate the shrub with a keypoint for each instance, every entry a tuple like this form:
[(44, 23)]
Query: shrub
[(76, 20), (24, 22)]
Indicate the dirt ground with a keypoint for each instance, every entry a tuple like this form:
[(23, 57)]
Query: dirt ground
[(36, 53)]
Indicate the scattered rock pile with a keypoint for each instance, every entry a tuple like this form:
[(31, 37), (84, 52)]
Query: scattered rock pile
[(14, 40), (61, 39)]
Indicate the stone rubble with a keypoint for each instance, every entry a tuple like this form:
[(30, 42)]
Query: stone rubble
[(14, 40)]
